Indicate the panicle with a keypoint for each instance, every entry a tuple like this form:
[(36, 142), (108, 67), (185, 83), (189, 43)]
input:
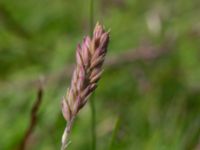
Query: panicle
[(90, 56)]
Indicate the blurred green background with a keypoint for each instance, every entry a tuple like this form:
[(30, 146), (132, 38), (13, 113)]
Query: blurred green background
[(149, 95)]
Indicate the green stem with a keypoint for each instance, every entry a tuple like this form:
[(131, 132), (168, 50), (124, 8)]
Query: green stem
[(92, 101), (93, 121), (114, 133), (91, 16)]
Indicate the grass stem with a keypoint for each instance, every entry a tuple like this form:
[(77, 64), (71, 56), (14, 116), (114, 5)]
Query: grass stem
[(66, 134), (93, 121), (91, 12), (114, 133), (92, 101)]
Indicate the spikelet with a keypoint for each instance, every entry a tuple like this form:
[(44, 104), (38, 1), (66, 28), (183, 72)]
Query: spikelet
[(90, 56)]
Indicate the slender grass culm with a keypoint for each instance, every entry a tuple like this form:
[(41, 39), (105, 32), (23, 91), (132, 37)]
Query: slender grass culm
[(92, 98), (90, 56)]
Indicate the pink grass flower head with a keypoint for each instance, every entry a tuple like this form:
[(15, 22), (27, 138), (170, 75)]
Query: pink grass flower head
[(90, 56)]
